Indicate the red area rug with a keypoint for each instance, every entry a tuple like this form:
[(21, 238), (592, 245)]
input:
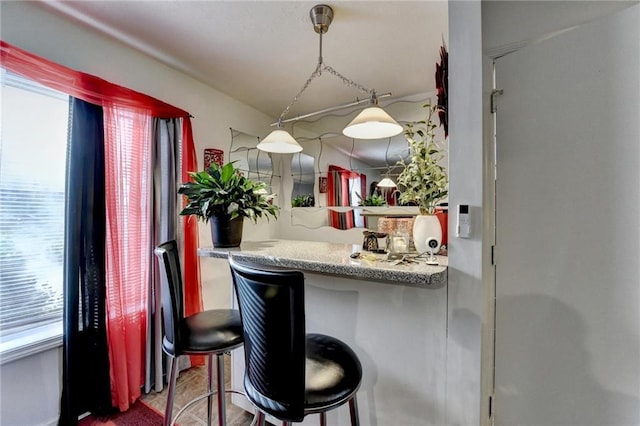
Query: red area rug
[(139, 414)]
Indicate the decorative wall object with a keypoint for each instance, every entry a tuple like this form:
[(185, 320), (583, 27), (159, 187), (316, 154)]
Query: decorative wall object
[(323, 184), (442, 86), (213, 155)]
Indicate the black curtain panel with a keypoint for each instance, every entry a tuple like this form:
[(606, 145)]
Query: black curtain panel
[(85, 381)]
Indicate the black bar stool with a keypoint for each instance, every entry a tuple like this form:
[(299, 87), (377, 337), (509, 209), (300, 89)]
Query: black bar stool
[(289, 373), (212, 332)]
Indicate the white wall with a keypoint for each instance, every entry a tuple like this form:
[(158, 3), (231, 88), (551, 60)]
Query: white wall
[(465, 291), (30, 390)]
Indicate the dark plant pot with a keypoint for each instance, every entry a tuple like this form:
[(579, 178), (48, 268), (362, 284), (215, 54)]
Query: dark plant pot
[(225, 232)]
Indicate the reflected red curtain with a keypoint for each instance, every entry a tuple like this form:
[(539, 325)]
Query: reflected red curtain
[(338, 194), (127, 150)]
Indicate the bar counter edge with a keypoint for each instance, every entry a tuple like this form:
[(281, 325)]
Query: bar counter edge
[(334, 259)]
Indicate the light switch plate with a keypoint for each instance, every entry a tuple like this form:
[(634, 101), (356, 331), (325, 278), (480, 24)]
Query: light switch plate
[(463, 225)]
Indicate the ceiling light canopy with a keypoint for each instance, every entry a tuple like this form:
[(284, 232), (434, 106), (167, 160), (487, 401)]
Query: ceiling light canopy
[(372, 123)]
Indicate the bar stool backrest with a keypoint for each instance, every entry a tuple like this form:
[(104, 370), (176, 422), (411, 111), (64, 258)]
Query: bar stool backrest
[(172, 297), (271, 305)]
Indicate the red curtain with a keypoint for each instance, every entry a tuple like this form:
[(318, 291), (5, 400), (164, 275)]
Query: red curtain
[(338, 194), (193, 299), (127, 146), (87, 87), (127, 193)]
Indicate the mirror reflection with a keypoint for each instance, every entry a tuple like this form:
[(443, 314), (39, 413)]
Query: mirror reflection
[(354, 179), (255, 164), (303, 176)]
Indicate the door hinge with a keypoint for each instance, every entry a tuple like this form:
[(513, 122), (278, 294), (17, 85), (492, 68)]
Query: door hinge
[(493, 255), (494, 104)]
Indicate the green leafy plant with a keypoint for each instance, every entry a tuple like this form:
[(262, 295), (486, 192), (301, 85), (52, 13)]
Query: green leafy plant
[(222, 191), (423, 179), (303, 201), (371, 200)]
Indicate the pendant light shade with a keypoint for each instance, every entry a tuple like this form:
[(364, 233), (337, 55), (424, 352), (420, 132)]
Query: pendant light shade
[(372, 123), (279, 141), (386, 183)]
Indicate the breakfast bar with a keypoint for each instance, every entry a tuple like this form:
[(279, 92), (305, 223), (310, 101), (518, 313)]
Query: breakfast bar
[(339, 260), (393, 314)]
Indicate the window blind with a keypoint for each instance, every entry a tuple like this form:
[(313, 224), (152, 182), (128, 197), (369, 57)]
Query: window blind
[(33, 144)]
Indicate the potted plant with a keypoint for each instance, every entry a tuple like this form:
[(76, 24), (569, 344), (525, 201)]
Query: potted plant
[(224, 196), (303, 201), (371, 200), (423, 180)]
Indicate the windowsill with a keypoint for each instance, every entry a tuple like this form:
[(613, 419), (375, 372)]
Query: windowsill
[(30, 342)]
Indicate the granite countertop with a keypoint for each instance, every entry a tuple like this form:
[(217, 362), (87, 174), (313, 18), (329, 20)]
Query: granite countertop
[(334, 259)]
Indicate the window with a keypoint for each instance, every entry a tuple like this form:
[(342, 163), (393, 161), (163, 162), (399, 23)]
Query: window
[(33, 148)]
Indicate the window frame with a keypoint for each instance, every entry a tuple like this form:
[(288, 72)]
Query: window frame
[(30, 339)]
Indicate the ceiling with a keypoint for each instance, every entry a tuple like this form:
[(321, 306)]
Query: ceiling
[(262, 52)]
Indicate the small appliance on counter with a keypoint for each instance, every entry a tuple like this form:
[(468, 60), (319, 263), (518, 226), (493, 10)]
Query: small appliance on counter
[(374, 241)]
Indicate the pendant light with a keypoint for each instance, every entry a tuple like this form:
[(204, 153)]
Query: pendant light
[(372, 123), (386, 182), (279, 141)]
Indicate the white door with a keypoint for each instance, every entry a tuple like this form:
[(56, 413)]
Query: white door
[(568, 228)]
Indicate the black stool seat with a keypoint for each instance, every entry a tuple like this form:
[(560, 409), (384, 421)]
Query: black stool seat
[(208, 331), (332, 373)]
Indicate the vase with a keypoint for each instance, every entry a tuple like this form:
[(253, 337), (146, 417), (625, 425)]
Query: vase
[(427, 227), (225, 232)]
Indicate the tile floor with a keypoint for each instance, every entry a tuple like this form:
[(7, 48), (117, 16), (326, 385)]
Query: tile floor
[(190, 384)]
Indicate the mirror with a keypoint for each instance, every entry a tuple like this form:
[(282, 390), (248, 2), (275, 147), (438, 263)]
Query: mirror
[(255, 164), (303, 176), (353, 168)]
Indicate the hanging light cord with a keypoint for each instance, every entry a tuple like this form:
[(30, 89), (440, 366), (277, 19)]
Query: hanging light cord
[(257, 162), (319, 156), (317, 73), (386, 157), (353, 145)]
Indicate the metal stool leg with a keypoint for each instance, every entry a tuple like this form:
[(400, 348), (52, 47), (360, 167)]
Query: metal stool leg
[(210, 389), (173, 373), (259, 418), (222, 413), (353, 411), (323, 419)]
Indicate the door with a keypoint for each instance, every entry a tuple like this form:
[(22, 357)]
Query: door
[(568, 228)]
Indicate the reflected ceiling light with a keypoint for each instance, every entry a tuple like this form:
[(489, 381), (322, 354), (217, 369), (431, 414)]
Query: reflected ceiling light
[(386, 183), (371, 123)]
